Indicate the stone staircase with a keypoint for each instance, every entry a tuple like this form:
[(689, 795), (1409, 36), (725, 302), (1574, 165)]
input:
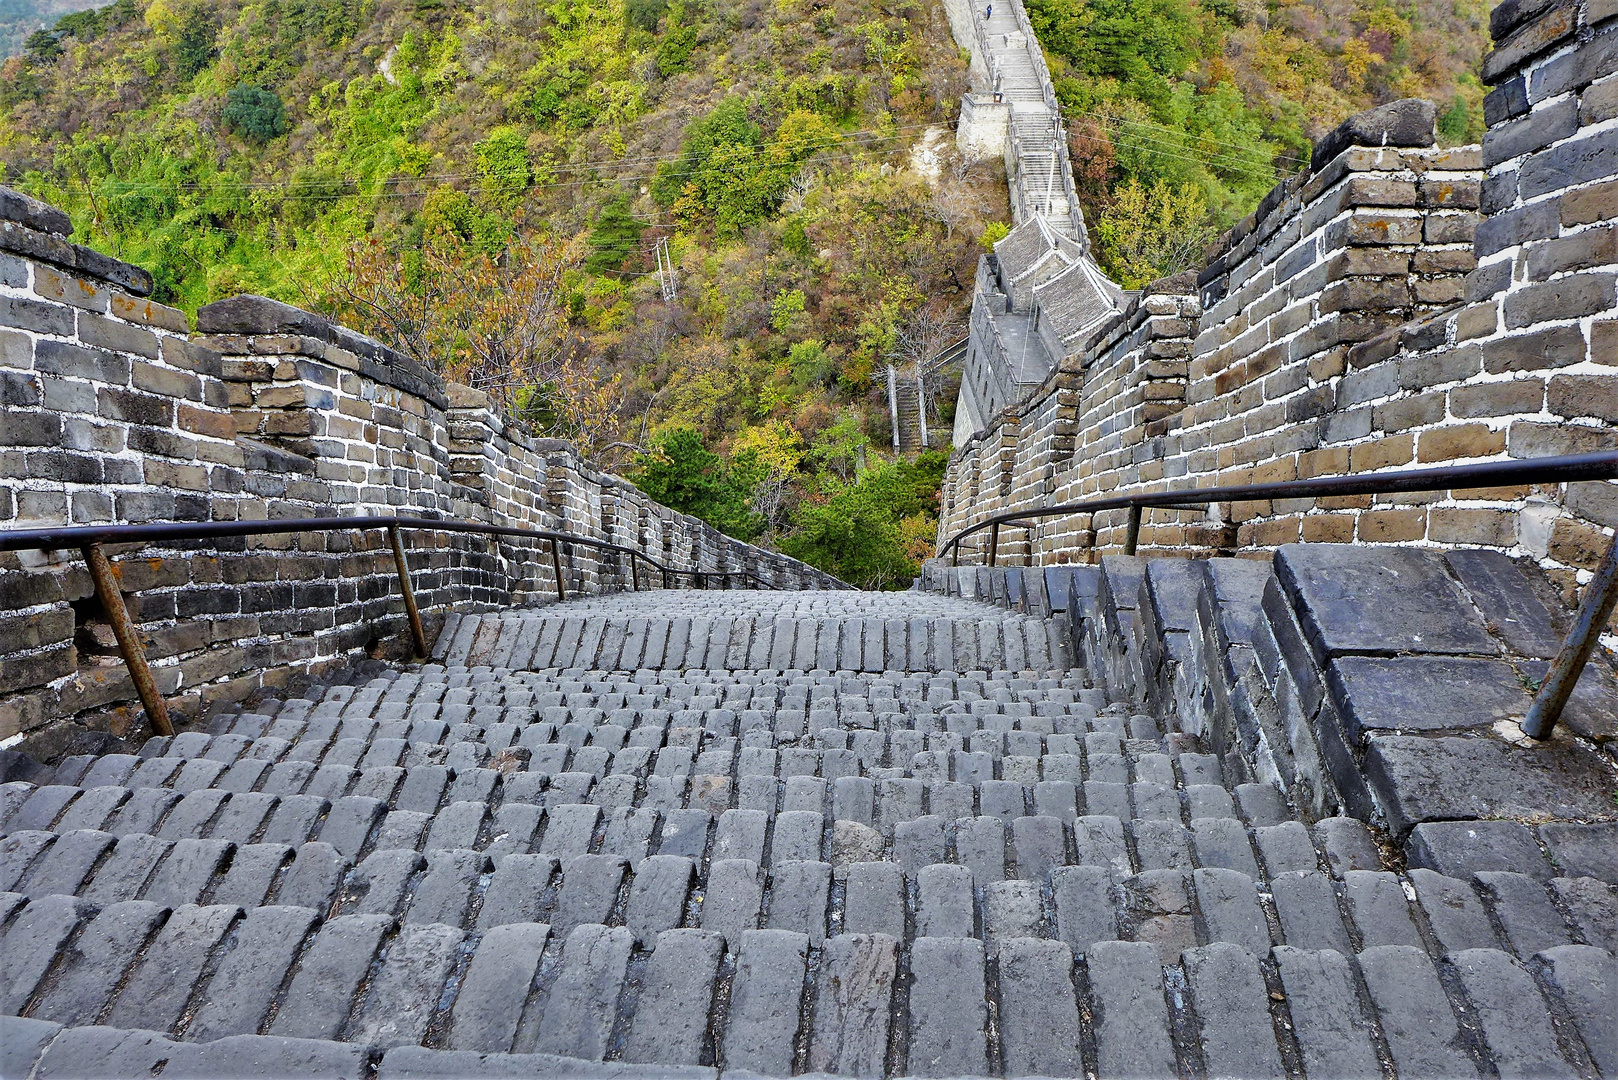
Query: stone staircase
[(907, 402), (678, 834), (1039, 175)]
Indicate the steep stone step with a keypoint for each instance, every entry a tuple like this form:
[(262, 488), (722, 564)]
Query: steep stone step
[(470, 866), (631, 635), (1384, 683)]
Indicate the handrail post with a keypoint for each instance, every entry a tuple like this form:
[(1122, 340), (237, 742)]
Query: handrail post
[(1594, 611), (955, 552), (1132, 533), (634, 572), (112, 602), (994, 542), (418, 636), (556, 564)]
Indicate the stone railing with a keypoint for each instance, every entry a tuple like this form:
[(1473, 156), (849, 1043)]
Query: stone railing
[(1371, 314), (115, 413)]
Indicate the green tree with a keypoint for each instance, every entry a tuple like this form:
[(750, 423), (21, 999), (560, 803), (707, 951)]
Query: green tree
[(254, 113), (863, 531), (683, 474), (194, 44), (679, 42), (1146, 235), (643, 14), (504, 172), (614, 237)]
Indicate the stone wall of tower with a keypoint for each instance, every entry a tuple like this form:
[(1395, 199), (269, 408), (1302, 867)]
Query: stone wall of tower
[(1396, 305)]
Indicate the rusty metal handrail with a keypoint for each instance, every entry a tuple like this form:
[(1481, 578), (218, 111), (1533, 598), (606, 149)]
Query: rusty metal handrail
[(91, 541), (1600, 595)]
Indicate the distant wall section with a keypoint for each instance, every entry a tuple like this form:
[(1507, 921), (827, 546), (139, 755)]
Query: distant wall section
[(114, 412)]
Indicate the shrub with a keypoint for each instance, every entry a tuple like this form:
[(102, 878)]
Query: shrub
[(255, 114)]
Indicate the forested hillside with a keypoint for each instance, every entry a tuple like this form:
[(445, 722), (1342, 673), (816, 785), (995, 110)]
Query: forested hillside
[(19, 19), (1182, 115), (487, 185)]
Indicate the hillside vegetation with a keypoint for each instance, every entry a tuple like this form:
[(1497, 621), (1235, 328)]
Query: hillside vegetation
[(19, 19), (1182, 114), (486, 185)]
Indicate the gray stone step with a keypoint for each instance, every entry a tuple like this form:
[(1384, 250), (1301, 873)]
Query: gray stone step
[(474, 869)]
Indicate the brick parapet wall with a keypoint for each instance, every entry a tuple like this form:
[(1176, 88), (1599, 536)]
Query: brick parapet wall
[(113, 412), (1332, 333)]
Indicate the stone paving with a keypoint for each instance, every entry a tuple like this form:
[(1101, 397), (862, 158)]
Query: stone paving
[(679, 834)]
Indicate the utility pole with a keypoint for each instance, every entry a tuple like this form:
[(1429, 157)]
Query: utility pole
[(893, 403), (921, 404), (665, 271)]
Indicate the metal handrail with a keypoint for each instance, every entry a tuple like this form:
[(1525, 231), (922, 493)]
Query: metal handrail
[(1598, 466), (1600, 596), (90, 540)]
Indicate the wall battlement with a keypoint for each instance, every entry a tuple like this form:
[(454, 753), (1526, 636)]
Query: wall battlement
[(114, 412), (1396, 305)]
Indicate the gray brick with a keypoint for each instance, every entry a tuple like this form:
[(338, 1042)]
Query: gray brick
[(313, 878), (1454, 912), (1222, 843), (383, 880), (1126, 1002), (22, 1041), (32, 941), (671, 1016), (583, 1001), (1285, 848), (1592, 909), (948, 1017), (41, 318), (102, 953), (65, 866), (980, 845), (1571, 164), (853, 1008), (1415, 1013), (252, 873), (1228, 909), (1231, 1001), (657, 897), (123, 874), (100, 1051), (1515, 1024), (248, 977), (1569, 297), (405, 991), (765, 999), (163, 981), (589, 891), (329, 976), (1586, 979), (733, 898), (944, 902), (1039, 1019), (1348, 845), (875, 900), (489, 1006), (20, 851), (1334, 1035), (1376, 902), (1524, 910), (187, 872), (1307, 907)]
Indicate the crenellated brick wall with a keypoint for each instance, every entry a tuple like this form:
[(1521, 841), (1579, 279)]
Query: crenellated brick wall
[(112, 411), (1396, 305)]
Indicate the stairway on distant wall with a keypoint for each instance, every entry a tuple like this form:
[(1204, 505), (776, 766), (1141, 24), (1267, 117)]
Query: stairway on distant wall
[(851, 833), (908, 404)]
